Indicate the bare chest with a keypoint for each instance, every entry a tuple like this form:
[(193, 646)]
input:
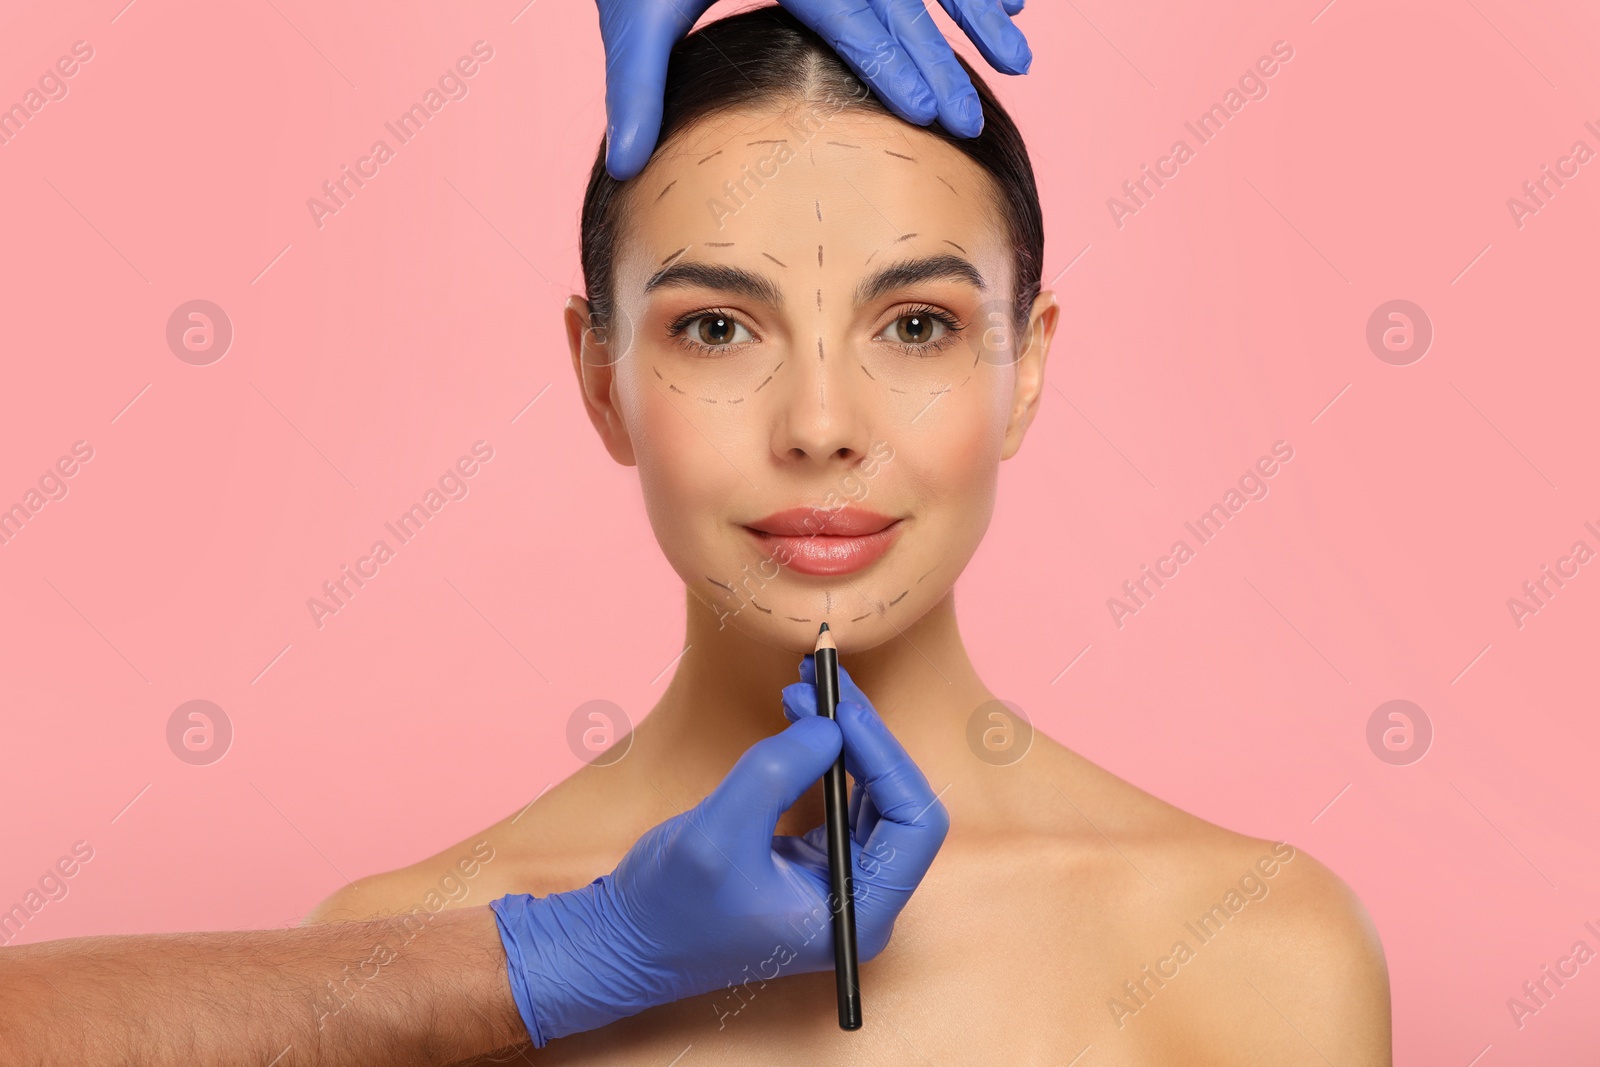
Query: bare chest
[(976, 972)]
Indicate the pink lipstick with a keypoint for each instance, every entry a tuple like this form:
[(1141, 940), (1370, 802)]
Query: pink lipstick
[(812, 541)]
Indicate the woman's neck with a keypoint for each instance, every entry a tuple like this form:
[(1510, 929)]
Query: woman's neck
[(726, 695)]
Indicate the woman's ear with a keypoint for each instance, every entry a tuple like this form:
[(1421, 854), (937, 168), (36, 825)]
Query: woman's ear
[(595, 361), (1029, 384)]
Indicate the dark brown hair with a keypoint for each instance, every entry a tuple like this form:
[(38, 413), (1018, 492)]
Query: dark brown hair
[(764, 56)]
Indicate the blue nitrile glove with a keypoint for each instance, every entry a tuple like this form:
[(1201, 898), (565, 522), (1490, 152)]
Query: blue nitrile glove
[(886, 815), (711, 897), (892, 45)]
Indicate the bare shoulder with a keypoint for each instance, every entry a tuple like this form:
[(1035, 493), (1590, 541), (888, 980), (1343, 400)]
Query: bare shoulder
[(451, 878), (1231, 938), (1314, 961), (538, 849)]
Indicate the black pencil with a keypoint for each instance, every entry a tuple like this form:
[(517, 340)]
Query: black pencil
[(836, 809)]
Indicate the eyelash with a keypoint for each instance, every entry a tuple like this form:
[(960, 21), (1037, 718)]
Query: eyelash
[(953, 327), (684, 339)]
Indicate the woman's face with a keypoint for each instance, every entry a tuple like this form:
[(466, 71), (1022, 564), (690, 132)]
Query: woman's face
[(812, 363)]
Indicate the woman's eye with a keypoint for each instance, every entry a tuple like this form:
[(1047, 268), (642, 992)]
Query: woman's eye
[(716, 330), (917, 328)]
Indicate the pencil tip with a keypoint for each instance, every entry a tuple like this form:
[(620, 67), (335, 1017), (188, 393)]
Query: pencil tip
[(824, 629)]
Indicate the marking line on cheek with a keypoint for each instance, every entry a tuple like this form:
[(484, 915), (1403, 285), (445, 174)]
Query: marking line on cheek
[(819, 255), (899, 598), (663, 192), (792, 618), (723, 585), (865, 371), (819, 208), (758, 607), (858, 618), (658, 373), (820, 356), (819, 299), (929, 571)]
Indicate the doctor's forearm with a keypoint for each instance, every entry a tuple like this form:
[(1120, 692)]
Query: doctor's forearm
[(337, 993)]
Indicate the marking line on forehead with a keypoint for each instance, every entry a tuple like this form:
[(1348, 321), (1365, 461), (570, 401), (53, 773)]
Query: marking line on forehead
[(779, 140), (947, 184), (908, 272), (899, 155), (717, 153), (717, 276), (663, 192), (842, 144)]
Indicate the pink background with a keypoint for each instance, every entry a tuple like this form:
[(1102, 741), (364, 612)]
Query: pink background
[(1229, 313)]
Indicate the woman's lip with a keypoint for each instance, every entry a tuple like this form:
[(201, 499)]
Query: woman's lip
[(827, 554), (847, 521)]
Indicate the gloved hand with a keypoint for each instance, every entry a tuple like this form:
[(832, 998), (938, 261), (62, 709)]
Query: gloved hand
[(892, 45), (711, 897)]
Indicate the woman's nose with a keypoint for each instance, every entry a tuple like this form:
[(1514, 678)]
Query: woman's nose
[(823, 417)]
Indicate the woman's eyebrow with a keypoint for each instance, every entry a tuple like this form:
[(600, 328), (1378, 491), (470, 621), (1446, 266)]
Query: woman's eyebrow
[(911, 271), (717, 276)]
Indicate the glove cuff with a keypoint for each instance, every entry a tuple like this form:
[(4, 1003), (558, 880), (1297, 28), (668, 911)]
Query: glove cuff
[(566, 970)]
